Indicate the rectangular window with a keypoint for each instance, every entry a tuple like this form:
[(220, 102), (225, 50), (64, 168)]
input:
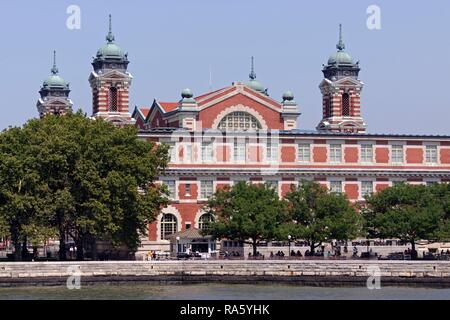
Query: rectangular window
[(273, 184), (336, 186), (366, 188), (304, 152), (187, 153), (172, 151), (366, 153), (335, 153), (240, 151), (431, 183), (207, 151), (206, 189), (431, 154), (171, 187), (188, 189), (397, 154), (272, 150)]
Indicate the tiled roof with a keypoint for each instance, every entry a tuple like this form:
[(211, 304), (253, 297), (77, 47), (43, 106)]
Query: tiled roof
[(191, 233), (144, 111), (208, 93), (168, 106)]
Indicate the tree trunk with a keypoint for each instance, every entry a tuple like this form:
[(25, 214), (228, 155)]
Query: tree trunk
[(62, 245), (80, 250), (17, 251), (312, 247), (255, 248), (16, 242), (413, 249), (94, 249), (25, 249)]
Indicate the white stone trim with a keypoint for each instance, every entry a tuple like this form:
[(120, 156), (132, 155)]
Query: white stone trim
[(275, 106), (169, 210), (197, 218)]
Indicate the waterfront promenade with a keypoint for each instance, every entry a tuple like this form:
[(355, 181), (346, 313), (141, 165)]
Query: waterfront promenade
[(305, 272)]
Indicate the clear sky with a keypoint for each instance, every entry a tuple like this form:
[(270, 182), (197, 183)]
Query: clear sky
[(173, 44)]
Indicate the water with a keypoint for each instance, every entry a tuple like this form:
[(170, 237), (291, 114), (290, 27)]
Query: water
[(220, 292)]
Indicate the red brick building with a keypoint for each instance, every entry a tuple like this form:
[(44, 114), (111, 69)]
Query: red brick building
[(240, 133)]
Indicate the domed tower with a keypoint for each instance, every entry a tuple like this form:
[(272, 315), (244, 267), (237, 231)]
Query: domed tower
[(54, 94), (341, 90), (253, 83), (110, 82)]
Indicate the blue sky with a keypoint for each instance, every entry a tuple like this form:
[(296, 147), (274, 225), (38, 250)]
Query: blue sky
[(172, 45)]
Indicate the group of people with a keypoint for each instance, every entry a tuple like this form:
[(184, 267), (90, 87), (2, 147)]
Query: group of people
[(232, 254), (151, 255), (281, 254)]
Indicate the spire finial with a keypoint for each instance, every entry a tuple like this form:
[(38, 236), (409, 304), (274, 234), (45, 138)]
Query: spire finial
[(54, 69), (252, 72), (340, 46), (110, 36)]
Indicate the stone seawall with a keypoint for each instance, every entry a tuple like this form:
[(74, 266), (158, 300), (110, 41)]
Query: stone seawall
[(295, 272)]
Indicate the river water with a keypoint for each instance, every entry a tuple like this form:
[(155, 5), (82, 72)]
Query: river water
[(220, 292)]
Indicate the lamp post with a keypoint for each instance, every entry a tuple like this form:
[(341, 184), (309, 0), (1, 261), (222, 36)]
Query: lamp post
[(289, 239)]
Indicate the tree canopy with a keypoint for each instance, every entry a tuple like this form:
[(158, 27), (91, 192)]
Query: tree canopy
[(71, 175), (247, 212), (317, 216), (407, 212)]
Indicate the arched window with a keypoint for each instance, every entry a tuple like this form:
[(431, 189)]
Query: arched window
[(239, 121), (169, 225), (345, 105), (204, 221), (113, 99)]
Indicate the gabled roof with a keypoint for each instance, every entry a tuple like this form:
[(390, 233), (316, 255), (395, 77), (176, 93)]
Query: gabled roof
[(145, 111), (141, 111), (168, 106), (204, 96), (167, 109), (215, 97), (191, 233)]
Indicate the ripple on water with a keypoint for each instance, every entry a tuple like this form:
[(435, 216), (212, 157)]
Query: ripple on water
[(220, 292)]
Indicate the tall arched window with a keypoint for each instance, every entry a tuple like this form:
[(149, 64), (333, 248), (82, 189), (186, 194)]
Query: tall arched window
[(169, 225), (345, 105), (329, 110), (204, 221), (239, 121), (113, 99)]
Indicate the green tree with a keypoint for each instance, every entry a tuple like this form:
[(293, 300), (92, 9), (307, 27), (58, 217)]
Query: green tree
[(406, 212), (441, 193), (96, 180), (318, 216), (247, 212), (23, 195)]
